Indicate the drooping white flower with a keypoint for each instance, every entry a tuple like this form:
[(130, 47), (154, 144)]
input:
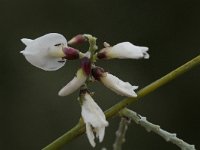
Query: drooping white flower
[(74, 84), (45, 52), (124, 50), (114, 83), (94, 119)]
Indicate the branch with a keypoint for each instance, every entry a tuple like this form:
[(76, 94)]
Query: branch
[(79, 128), (68, 136), (169, 137), (120, 133)]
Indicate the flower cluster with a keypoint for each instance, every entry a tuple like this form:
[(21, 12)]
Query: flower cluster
[(51, 51)]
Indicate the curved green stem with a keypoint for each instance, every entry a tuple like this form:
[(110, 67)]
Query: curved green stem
[(80, 129), (93, 46)]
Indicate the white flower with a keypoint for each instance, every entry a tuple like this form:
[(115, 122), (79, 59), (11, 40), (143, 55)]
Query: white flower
[(124, 50), (118, 86), (74, 84), (115, 84), (94, 119), (45, 52)]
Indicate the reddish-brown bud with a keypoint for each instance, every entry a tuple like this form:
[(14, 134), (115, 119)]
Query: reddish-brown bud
[(101, 55), (78, 39), (97, 72), (86, 65), (83, 91), (70, 53)]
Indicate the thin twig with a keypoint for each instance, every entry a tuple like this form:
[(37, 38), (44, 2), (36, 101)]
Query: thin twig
[(79, 128), (169, 137), (120, 133)]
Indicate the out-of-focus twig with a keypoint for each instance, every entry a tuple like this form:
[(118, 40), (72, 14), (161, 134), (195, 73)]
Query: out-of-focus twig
[(120, 133), (169, 137)]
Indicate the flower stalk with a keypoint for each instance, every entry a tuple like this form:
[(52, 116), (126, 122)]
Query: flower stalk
[(92, 46), (80, 128)]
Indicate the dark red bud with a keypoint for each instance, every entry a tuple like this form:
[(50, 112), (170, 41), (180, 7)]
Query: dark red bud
[(97, 72), (86, 65), (101, 55), (83, 91), (78, 39), (70, 53)]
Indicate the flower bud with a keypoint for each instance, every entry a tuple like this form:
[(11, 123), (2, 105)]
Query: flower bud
[(74, 84), (78, 39), (86, 65), (98, 73), (79, 79), (70, 53), (124, 50), (113, 83)]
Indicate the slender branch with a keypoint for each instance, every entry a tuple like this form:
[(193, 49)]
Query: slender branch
[(120, 133), (169, 137), (153, 86), (79, 128), (68, 136)]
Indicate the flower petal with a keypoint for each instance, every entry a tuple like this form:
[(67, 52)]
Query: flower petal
[(100, 132), (118, 86), (124, 50), (144, 51), (74, 84), (90, 135), (92, 113), (38, 52), (26, 41), (94, 116)]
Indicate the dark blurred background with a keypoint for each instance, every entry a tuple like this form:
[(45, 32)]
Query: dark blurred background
[(33, 115)]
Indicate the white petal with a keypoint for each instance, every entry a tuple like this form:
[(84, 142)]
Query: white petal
[(92, 113), (74, 84), (100, 133), (38, 51), (127, 50), (94, 116), (144, 52), (90, 135), (26, 41), (118, 86)]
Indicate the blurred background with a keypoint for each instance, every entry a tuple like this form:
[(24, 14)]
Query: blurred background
[(33, 115)]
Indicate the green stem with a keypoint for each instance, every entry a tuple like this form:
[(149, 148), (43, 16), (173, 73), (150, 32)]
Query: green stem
[(92, 42), (68, 136), (93, 46), (153, 86), (79, 128)]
